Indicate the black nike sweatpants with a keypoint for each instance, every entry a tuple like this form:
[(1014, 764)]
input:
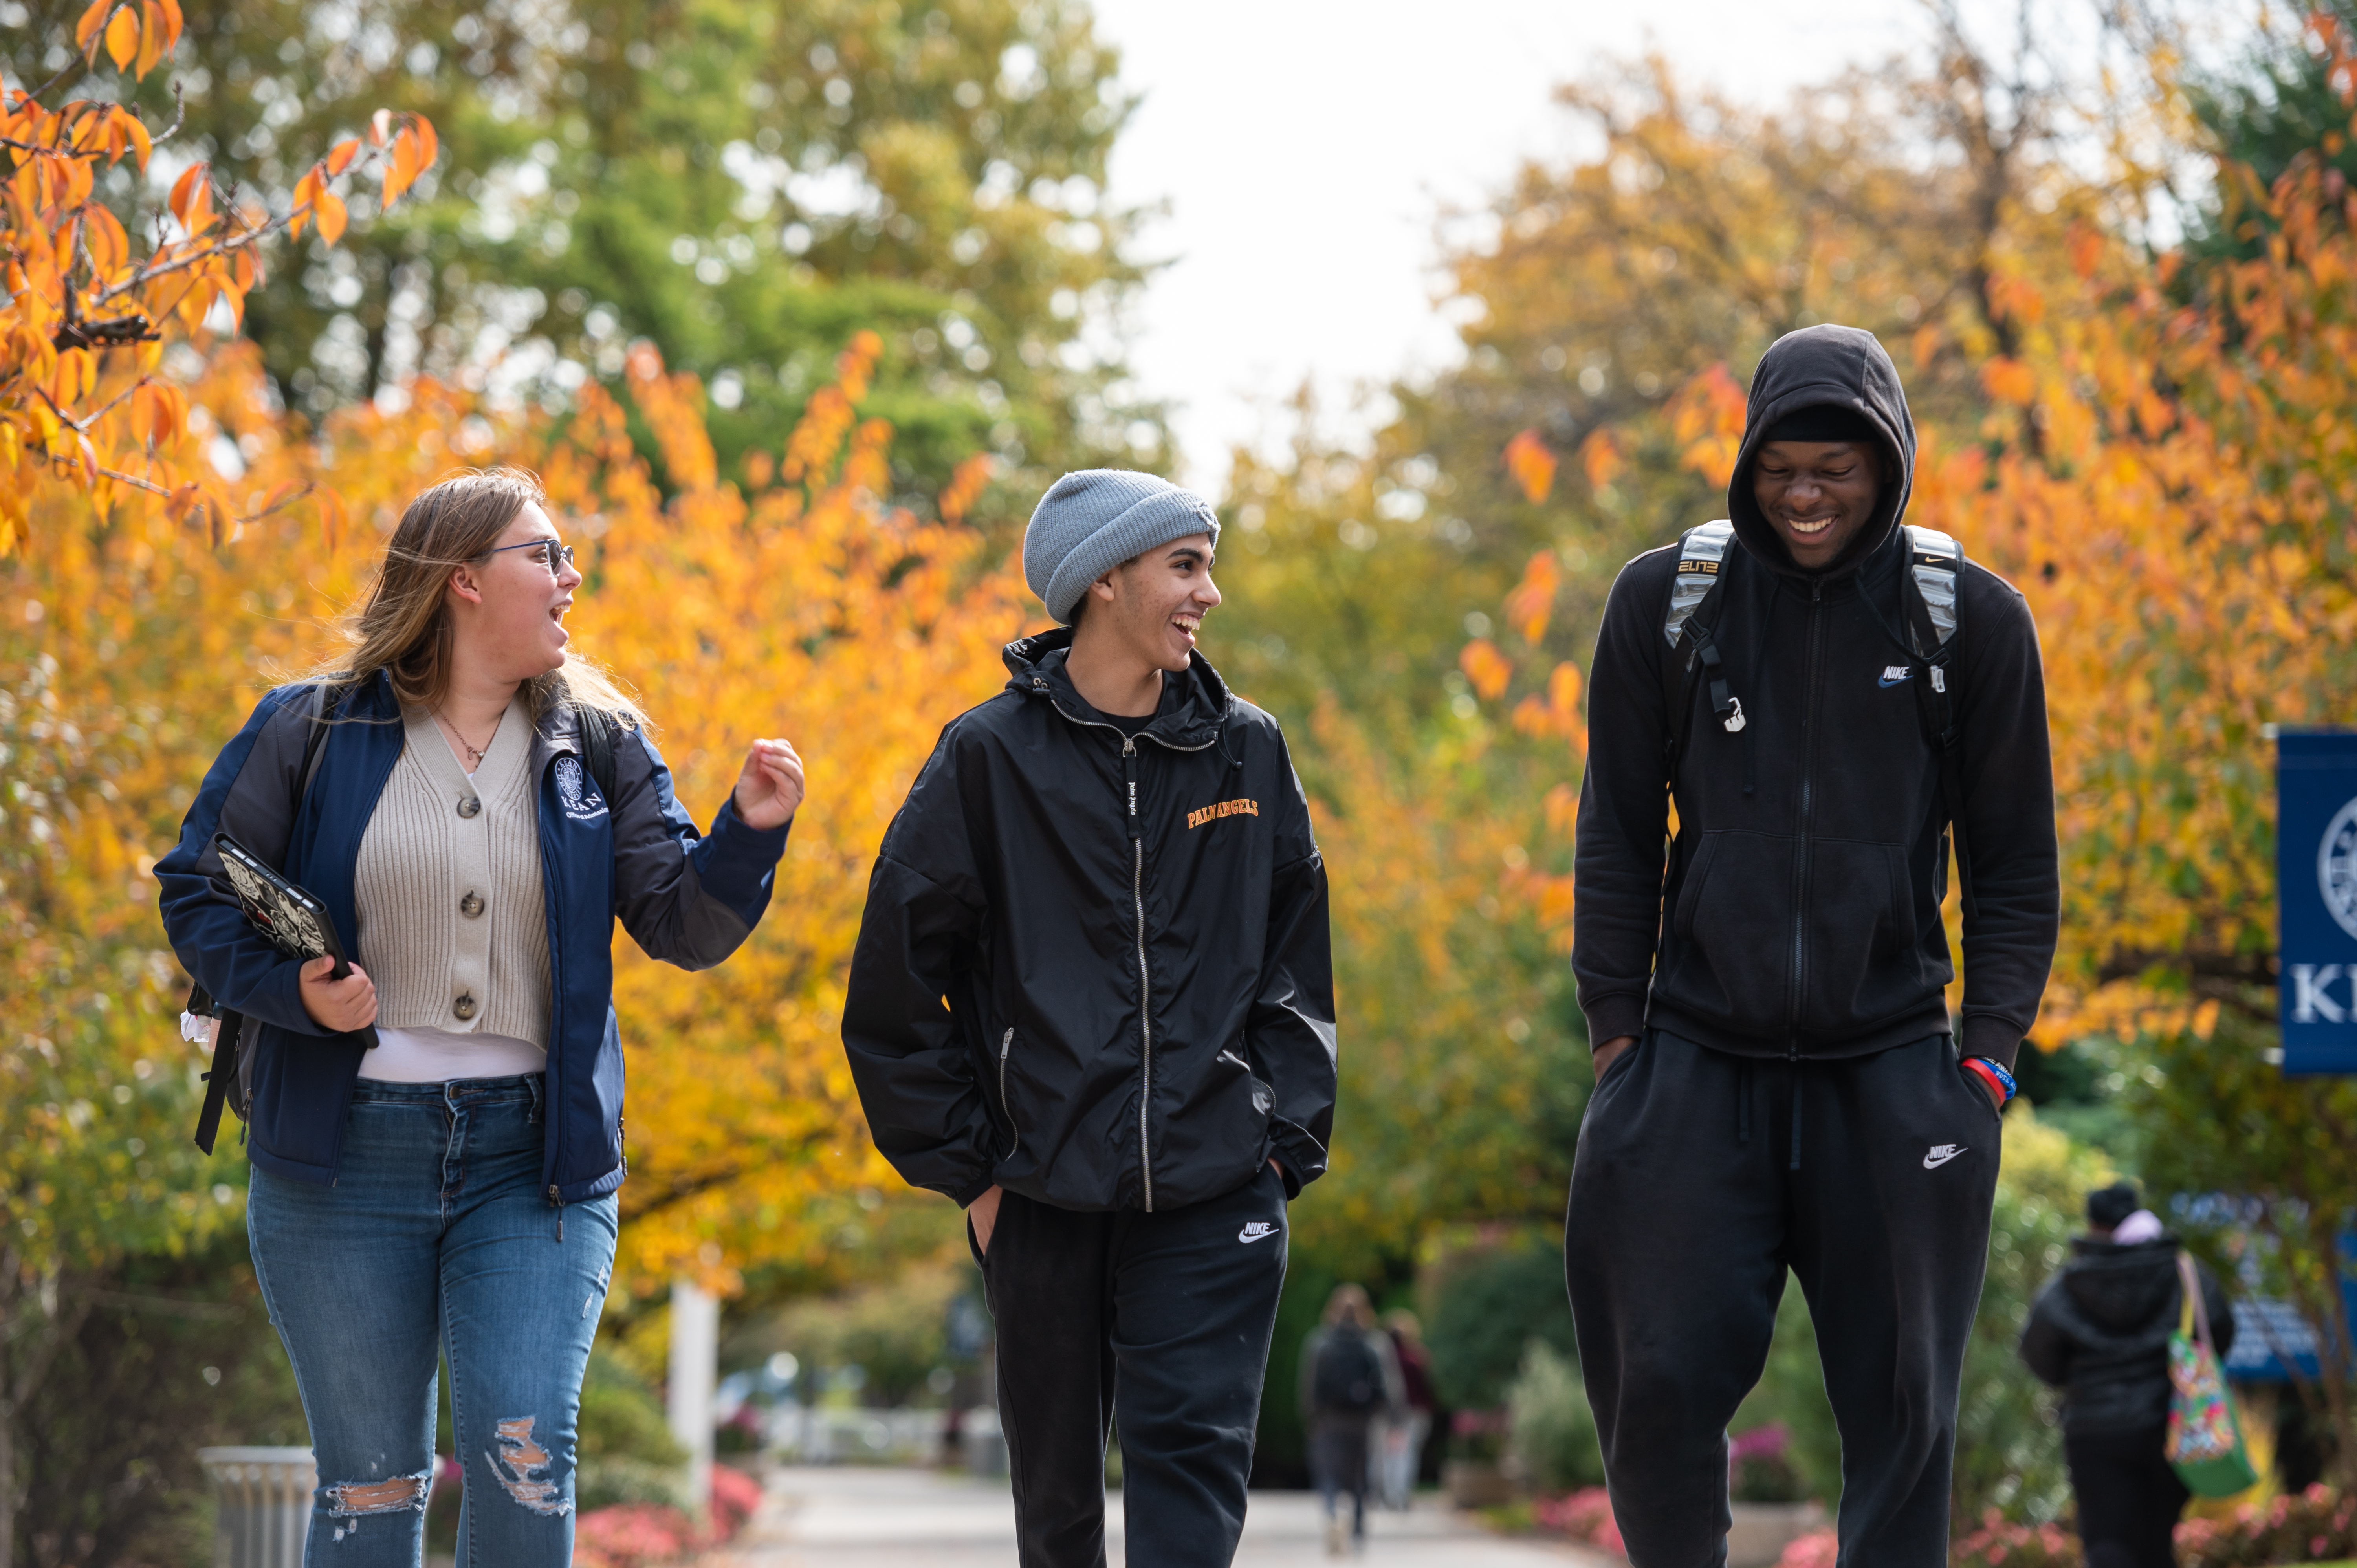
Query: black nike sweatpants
[(1160, 1319), (1699, 1180)]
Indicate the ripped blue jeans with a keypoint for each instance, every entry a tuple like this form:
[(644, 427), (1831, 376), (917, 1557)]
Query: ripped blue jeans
[(436, 1240)]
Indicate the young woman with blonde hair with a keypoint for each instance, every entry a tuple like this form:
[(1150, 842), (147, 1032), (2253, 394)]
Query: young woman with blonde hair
[(475, 809)]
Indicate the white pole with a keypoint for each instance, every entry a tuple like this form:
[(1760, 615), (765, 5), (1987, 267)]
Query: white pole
[(695, 1369)]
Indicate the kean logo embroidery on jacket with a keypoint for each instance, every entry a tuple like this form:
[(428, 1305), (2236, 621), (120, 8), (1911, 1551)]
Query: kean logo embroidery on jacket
[(1196, 819), (576, 793)]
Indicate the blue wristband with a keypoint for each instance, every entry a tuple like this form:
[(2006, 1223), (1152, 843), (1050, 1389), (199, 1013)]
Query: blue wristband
[(1997, 1069)]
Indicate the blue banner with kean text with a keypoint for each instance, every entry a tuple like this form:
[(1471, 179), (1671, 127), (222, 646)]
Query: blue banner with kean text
[(2316, 893)]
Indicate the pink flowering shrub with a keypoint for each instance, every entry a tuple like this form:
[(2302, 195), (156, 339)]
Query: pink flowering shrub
[(2312, 1526), (1585, 1515), (1997, 1544), (640, 1535), (735, 1495), (631, 1535), (1817, 1549)]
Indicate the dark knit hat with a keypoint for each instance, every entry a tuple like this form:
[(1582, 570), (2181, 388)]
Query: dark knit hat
[(2106, 1207), (1824, 422)]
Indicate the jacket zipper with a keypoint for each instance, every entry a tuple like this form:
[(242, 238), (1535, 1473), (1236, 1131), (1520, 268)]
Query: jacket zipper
[(1801, 840), (1145, 979), (1137, 897), (1006, 1044)]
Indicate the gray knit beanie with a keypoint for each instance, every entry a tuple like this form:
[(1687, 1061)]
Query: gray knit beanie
[(1093, 521)]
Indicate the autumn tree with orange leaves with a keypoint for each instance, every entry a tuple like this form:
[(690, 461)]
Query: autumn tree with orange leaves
[(2169, 483), (93, 300), (113, 302), (803, 604)]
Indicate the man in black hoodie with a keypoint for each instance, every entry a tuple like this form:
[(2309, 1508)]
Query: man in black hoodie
[(1092, 1003), (1779, 1082), (2099, 1331)]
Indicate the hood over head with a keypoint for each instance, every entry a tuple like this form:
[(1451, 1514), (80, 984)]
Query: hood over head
[(1844, 366), (2123, 1289)]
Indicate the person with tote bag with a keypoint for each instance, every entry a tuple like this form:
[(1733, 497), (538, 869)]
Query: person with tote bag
[(2106, 1331)]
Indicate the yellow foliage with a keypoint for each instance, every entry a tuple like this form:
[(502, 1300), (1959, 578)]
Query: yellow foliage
[(813, 610)]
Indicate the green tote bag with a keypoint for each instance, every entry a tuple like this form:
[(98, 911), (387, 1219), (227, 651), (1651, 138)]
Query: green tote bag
[(2205, 1440)]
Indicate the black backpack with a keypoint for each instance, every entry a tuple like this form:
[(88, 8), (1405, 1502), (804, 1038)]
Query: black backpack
[(1935, 562), (233, 1066), (1348, 1377)]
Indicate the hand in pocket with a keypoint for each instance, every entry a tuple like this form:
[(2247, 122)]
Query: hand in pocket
[(981, 1215)]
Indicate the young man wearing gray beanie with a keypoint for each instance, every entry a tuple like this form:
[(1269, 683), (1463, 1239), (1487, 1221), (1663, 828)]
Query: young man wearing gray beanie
[(1093, 1003)]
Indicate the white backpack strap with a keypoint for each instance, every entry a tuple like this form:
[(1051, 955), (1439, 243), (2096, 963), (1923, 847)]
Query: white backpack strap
[(1702, 554), (1935, 560)]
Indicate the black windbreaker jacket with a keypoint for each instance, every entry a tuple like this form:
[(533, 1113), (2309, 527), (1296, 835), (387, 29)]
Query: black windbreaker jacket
[(1797, 914), (1096, 1004)]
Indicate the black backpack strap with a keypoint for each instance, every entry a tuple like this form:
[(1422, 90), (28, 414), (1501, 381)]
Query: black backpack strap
[(217, 1080), (599, 729)]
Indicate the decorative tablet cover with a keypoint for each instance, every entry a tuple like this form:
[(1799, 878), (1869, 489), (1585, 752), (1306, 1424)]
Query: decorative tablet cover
[(295, 923)]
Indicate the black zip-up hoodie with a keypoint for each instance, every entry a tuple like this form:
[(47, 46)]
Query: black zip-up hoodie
[(1797, 914), (2100, 1332), (1093, 970)]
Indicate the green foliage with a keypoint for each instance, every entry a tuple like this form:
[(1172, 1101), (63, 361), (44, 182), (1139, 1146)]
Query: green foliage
[(2008, 1450), (745, 183), (1792, 1393), (1485, 1304), (2283, 1153), (148, 1362), (2277, 105), (628, 1453), (1553, 1430), (895, 1330)]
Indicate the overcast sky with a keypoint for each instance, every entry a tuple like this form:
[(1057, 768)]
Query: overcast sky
[(1306, 148)]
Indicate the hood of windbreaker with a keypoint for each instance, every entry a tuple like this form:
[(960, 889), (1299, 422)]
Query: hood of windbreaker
[(1192, 714), (1828, 364)]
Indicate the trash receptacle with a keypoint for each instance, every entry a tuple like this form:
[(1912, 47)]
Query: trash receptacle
[(984, 1441), (264, 1497)]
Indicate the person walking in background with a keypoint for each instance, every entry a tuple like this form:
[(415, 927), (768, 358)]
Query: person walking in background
[(1092, 1003), (474, 806), (1402, 1457), (2099, 1331), (1349, 1382), (1825, 693)]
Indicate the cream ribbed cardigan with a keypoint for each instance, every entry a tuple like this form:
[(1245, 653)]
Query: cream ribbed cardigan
[(453, 926)]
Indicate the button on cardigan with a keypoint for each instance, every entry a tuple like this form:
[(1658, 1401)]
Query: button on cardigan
[(453, 922)]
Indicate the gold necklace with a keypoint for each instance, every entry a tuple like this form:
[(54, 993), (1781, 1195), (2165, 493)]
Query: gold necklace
[(477, 752)]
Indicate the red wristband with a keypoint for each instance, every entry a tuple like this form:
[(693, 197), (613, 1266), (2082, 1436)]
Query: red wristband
[(1974, 1065)]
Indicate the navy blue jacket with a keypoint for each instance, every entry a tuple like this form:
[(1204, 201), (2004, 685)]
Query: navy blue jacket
[(687, 899)]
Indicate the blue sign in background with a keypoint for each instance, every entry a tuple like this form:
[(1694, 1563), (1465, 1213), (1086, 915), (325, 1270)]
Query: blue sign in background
[(2316, 895)]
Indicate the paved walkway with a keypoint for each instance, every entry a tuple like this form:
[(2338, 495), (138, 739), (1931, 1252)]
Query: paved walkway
[(848, 1517)]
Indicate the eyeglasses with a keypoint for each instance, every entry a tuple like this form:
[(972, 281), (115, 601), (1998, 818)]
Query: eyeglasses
[(556, 553)]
